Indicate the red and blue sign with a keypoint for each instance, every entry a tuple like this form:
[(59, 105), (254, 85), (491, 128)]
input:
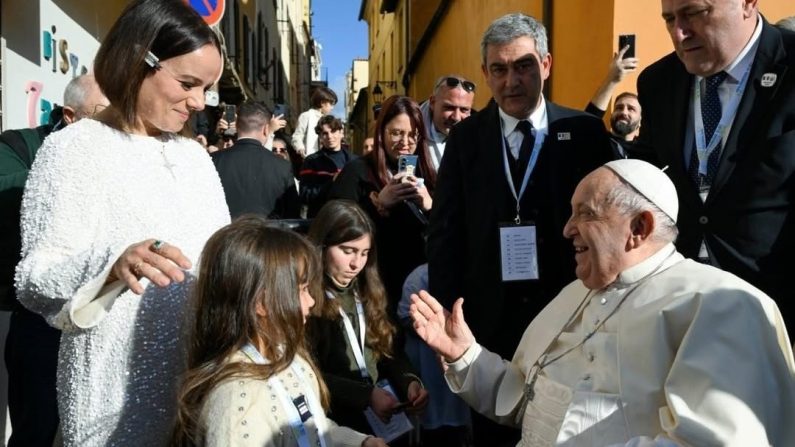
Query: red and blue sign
[(211, 10)]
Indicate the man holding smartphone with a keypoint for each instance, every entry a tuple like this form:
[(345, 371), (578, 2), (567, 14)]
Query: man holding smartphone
[(625, 118)]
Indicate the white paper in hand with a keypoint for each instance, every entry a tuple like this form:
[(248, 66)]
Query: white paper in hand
[(398, 424)]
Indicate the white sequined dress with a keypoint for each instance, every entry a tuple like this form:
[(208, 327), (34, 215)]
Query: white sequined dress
[(92, 192)]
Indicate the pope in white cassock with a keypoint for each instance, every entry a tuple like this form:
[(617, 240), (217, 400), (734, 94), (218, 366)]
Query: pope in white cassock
[(646, 348)]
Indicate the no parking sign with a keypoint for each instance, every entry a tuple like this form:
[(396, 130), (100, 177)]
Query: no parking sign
[(211, 10)]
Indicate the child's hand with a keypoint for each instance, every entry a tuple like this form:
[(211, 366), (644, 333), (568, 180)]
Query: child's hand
[(418, 397), (383, 403)]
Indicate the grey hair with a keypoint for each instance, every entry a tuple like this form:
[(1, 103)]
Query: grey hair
[(513, 26), (76, 91), (787, 23), (630, 202)]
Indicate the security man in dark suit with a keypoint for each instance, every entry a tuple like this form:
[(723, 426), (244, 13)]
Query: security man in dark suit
[(720, 113), (502, 196), (254, 179)]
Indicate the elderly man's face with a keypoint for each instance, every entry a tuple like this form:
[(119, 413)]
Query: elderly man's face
[(708, 34), (600, 233), (516, 73), (450, 106)]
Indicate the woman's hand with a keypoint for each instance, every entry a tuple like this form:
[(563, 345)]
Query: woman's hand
[(396, 192), (418, 397), (425, 201), (383, 403), (155, 260)]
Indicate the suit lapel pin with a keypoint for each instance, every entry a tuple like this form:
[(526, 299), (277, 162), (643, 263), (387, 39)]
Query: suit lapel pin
[(769, 79), (564, 136)]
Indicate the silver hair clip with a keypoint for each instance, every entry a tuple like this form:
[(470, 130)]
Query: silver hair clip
[(152, 60)]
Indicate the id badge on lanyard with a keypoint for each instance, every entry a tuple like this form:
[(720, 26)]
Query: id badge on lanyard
[(298, 410), (357, 345), (518, 239), (519, 251)]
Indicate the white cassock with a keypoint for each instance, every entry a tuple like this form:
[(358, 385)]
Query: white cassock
[(693, 356)]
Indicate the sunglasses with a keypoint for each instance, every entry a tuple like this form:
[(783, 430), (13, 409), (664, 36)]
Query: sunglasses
[(452, 82)]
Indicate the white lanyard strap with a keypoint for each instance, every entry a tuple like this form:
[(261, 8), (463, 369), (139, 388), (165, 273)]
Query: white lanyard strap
[(357, 346), (703, 147), (530, 167), (293, 416)]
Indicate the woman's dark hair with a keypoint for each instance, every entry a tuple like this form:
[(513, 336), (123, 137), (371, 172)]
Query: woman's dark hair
[(167, 28), (341, 221), (392, 107), (245, 266)]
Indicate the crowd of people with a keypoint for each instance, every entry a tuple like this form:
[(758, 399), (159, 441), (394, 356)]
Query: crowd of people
[(623, 286)]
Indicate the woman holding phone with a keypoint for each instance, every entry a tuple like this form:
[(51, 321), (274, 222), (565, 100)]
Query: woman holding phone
[(398, 202)]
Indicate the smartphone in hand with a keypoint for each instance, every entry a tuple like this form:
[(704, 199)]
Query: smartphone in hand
[(280, 109), (230, 113), (407, 164), (624, 40)]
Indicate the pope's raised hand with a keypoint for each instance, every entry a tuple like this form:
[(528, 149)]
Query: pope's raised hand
[(446, 333)]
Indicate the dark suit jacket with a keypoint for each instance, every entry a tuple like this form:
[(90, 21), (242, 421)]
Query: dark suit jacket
[(472, 197), (747, 220), (256, 181)]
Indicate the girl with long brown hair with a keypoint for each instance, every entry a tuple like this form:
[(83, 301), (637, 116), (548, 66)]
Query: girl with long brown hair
[(351, 335), (398, 203), (250, 379)]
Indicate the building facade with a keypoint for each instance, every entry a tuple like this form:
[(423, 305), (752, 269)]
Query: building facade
[(413, 42)]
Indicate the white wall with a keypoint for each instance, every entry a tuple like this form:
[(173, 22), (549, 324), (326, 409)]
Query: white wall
[(31, 88)]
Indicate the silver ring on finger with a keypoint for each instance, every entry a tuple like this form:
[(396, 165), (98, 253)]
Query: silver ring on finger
[(157, 245)]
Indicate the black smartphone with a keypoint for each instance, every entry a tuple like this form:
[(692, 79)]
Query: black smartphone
[(624, 40), (230, 113), (280, 109)]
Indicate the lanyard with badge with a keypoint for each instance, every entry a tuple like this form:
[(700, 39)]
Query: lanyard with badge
[(703, 147), (399, 423), (357, 346), (300, 409), (518, 241)]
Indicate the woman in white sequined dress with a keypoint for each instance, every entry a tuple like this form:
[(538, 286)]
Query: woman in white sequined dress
[(115, 213)]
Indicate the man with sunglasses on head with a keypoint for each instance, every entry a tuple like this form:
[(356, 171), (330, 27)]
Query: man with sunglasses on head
[(449, 104), (502, 197)]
